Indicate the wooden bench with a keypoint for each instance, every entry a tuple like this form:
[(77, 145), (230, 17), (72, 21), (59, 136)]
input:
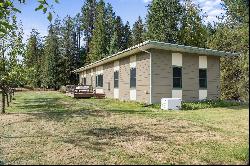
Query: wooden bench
[(83, 91)]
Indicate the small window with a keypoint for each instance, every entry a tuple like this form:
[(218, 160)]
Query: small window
[(133, 78), (99, 80), (116, 79), (84, 81), (203, 78), (177, 77), (96, 82)]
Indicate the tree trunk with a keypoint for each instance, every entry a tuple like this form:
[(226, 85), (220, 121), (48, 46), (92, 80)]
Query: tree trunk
[(10, 96), (7, 98), (3, 103)]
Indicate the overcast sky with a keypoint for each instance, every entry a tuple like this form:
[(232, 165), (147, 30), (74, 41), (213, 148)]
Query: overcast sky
[(129, 10)]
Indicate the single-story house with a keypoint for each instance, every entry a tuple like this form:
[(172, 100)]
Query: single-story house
[(153, 70)]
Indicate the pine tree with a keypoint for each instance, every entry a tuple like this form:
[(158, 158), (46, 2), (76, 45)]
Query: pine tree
[(114, 46), (162, 20), (81, 57), (116, 43), (192, 30), (109, 23), (98, 48), (127, 37), (88, 18), (137, 32), (70, 51), (51, 59), (32, 58)]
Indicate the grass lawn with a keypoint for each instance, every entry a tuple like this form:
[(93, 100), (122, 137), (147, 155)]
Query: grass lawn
[(50, 128)]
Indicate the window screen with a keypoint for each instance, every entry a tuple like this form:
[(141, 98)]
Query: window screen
[(177, 77), (84, 81), (116, 79), (99, 80), (133, 78), (203, 78)]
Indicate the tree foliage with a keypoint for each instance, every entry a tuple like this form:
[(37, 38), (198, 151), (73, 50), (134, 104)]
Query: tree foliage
[(98, 49), (88, 14), (33, 58), (138, 32), (8, 9), (192, 31), (162, 20), (233, 35)]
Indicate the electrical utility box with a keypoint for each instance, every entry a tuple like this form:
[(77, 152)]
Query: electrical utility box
[(171, 103)]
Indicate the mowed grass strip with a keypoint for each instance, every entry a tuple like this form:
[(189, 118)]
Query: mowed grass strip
[(51, 128)]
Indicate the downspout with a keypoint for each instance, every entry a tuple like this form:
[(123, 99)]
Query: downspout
[(150, 75)]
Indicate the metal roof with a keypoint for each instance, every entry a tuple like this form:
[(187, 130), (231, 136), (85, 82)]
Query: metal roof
[(156, 45)]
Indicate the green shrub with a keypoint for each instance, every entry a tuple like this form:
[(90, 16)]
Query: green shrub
[(208, 104), (203, 104), (62, 89)]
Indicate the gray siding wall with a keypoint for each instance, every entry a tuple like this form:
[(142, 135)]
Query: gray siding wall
[(108, 79), (143, 77), (190, 77), (88, 78), (124, 79), (213, 77), (161, 75)]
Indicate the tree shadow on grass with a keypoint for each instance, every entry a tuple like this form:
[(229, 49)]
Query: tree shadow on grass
[(126, 133), (240, 107), (42, 105), (55, 109), (101, 139), (64, 115)]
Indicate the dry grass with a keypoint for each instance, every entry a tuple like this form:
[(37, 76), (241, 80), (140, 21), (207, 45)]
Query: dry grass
[(50, 128)]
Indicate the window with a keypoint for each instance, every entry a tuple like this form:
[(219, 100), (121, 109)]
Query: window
[(99, 80), (84, 81), (133, 78), (203, 78), (177, 77), (116, 79)]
